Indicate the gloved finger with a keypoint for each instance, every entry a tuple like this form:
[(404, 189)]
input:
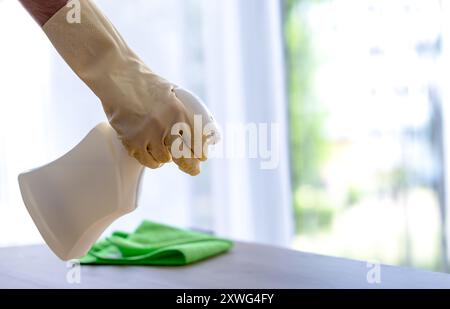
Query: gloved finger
[(160, 153), (146, 159), (191, 132), (209, 138), (190, 166), (182, 155), (196, 141), (205, 147)]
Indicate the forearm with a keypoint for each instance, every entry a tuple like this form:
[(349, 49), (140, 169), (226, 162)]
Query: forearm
[(93, 49), (43, 10)]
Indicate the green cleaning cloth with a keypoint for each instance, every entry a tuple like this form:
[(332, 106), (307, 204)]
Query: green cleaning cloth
[(155, 244)]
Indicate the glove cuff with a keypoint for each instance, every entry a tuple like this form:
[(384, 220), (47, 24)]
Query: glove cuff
[(98, 54)]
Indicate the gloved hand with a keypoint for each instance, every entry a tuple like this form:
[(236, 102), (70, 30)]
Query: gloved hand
[(141, 106)]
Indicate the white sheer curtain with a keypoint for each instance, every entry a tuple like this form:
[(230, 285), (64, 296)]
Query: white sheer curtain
[(245, 83), (24, 98), (229, 52)]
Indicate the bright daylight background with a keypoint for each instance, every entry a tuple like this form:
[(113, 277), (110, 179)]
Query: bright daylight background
[(359, 89)]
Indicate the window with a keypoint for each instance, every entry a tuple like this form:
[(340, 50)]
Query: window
[(367, 136)]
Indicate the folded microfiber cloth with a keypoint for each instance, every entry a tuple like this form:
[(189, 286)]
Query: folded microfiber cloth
[(155, 244)]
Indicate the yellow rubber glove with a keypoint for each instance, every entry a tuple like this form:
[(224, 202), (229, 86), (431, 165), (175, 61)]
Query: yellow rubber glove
[(140, 105)]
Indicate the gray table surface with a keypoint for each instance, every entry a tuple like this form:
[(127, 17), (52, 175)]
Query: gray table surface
[(245, 266)]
